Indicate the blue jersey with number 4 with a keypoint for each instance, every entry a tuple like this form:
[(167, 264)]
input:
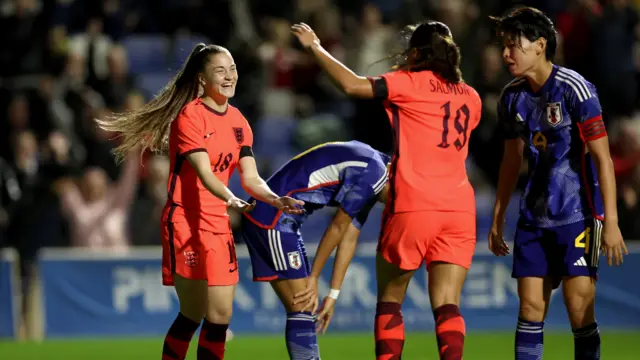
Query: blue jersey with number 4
[(343, 174), (556, 123)]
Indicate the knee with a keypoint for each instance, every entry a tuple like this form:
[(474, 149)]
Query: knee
[(195, 313), (581, 309), (445, 297), (219, 314), (533, 309)]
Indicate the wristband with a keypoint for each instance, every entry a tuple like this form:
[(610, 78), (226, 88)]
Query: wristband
[(333, 294), (230, 200)]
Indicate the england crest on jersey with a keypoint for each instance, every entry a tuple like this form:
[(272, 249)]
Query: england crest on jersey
[(554, 113), (294, 260)]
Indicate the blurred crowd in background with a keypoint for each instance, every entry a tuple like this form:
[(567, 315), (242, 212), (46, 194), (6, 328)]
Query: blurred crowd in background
[(64, 63)]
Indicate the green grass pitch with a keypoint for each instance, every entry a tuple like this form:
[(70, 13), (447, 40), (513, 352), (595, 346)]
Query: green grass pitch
[(478, 346)]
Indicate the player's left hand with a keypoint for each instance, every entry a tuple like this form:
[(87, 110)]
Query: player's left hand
[(289, 205), (325, 315), (613, 246), (305, 35)]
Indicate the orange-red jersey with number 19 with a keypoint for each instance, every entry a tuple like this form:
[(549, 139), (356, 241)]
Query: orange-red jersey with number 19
[(198, 127), (432, 120)]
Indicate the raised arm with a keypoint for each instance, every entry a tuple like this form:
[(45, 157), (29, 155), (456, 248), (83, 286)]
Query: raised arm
[(346, 80), (125, 189)]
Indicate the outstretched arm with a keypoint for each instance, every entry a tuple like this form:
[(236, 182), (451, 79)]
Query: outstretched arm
[(201, 163), (258, 188), (348, 81), (252, 182)]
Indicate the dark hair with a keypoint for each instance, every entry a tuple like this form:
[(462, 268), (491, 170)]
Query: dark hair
[(149, 126), (530, 23), (430, 46)]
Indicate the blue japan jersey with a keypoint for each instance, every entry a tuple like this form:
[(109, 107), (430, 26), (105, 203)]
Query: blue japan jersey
[(555, 124), (342, 174)]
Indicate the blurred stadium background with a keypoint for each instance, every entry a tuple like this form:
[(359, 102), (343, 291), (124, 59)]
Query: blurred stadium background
[(79, 268)]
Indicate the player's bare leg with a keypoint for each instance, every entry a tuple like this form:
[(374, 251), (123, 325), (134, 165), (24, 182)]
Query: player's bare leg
[(445, 285), (192, 295), (213, 336), (579, 298), (302, 342), (535, 295), (389, 326)]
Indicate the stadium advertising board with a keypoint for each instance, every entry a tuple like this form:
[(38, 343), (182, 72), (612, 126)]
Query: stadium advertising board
[(8, 306), (91, 294)]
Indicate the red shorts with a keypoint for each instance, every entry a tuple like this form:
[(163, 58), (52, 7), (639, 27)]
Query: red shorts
[(409, 238), (198, 255)]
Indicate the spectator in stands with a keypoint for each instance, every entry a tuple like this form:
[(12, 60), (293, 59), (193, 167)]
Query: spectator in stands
[(484, 146), (614, 32), (118, 83), (24, 27), (147, 208), (97, 210), (9, 195), (279, 58), (371, 44), (18, 120), (93, 47), (625, 153)]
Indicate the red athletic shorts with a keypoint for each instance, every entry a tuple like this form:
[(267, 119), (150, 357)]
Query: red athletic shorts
[(198, 255), (409, 238)]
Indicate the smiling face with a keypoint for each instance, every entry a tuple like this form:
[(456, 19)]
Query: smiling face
[(520, 54), (220, 75)]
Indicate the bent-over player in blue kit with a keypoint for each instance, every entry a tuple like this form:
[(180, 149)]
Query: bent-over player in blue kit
[(351, 176), (568, 208)]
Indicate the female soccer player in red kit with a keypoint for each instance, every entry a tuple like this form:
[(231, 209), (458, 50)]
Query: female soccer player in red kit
[(206, 142), (430, 214)]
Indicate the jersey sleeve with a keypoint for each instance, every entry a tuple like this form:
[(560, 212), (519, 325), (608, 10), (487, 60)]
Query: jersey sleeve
[(395, 86), (189, 133), (359, 192), (507, 119), (586, 111), (248, 134), (247, 139)]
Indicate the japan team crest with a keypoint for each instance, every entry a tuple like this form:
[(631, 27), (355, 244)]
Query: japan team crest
[(239, 134), (294, 260), (192, 258), (554, 113)]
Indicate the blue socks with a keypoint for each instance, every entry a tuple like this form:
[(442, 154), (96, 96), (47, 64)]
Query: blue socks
[(529, 340), (302, 342), (587, 342)]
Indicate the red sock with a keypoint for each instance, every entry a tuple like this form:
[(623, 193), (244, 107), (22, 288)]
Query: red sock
[(389, 331), (212, 341), (450, 331), (176, 343)]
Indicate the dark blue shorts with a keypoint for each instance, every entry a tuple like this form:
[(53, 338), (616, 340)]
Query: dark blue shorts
[(568, 250), (274, 254)]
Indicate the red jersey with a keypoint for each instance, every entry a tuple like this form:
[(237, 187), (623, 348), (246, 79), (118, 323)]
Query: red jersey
[(198, 127), (432, 120)]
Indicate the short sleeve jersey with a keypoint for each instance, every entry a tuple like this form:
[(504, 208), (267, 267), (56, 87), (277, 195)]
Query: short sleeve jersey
[(349, 175), (432, 120), (556, 123), (221, 135)]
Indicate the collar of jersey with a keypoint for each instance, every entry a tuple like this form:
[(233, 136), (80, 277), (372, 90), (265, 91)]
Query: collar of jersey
[(212, 110), (547, 84)]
